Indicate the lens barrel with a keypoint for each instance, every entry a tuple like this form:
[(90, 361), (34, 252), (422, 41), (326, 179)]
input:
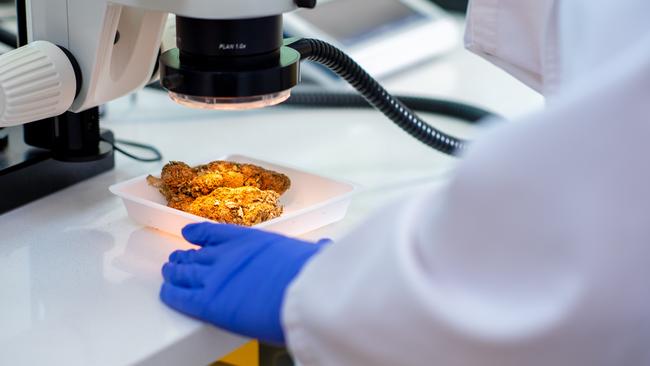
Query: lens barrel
[(234, 58), (229, 38)]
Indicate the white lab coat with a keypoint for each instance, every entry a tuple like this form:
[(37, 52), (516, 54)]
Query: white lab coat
[(538, 253)]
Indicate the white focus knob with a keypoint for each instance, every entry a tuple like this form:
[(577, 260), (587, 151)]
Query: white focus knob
[(37, 81)]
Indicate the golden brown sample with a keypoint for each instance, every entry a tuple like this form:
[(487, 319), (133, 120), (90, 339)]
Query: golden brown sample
[(173, 179), (249, 193), (174, 199), (242, 206), (180, 202), (228, 174)]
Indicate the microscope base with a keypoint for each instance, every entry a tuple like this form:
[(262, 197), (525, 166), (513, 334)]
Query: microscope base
[(27, 173)]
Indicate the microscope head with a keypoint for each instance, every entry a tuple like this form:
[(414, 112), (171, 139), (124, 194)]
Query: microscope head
[(229, 63), (229, 55), (234, 60)]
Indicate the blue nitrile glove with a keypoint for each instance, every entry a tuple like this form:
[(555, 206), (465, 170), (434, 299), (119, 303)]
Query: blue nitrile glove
[(237, 280)]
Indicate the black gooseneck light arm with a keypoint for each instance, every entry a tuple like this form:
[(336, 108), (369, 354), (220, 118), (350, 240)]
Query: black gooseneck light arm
[(397, 111)]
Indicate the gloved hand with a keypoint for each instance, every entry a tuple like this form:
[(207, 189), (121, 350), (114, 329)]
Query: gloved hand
[(237, 280)]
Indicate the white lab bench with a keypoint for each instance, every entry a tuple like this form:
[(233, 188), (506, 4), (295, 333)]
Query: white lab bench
[(79, 280)]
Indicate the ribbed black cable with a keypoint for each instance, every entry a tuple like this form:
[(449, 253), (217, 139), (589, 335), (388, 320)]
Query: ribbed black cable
[(326, 99), (344, 66), (156, 154)]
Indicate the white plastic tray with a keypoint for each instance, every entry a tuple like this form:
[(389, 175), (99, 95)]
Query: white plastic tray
[(312, 202)]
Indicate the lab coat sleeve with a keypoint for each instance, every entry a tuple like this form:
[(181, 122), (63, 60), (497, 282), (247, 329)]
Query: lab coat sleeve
[(536, 254), (519, 36)]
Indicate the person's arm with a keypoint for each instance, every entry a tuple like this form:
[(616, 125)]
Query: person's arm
[(535, 255), (518, 36)]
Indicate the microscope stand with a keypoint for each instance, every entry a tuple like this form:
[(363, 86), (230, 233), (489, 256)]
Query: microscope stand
[(28, 173)]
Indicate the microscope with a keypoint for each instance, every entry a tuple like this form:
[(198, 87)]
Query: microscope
[(75, 55)]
